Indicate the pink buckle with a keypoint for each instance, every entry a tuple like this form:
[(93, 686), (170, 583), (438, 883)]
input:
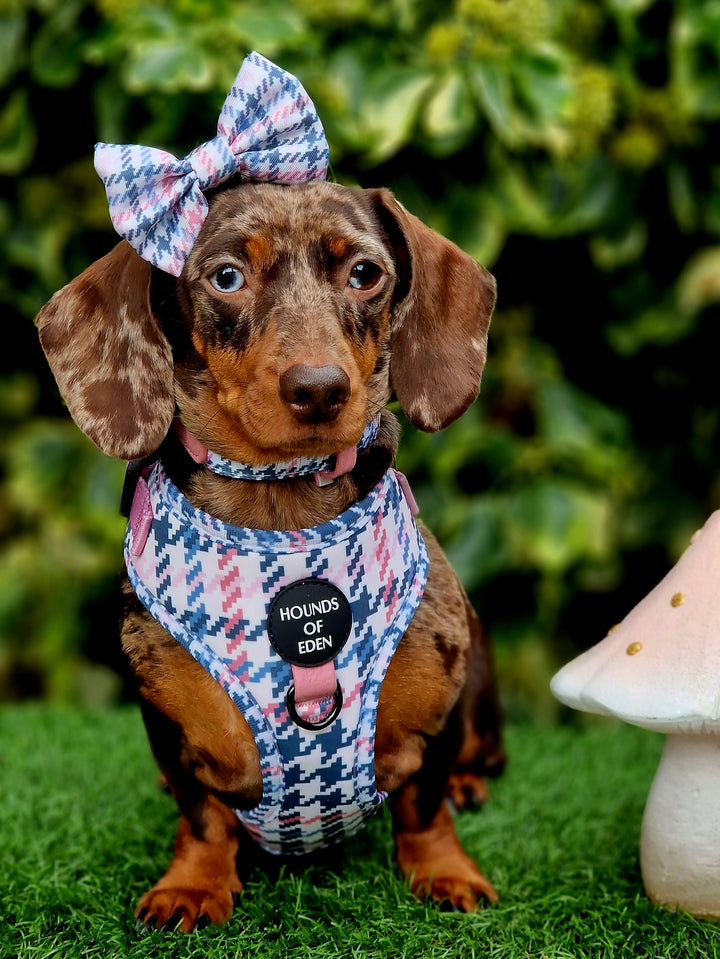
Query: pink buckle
[(141, 517), (315, 699)]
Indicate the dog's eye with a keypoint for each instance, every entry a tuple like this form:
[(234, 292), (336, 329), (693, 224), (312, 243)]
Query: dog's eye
[(228, 279), (364, 275)]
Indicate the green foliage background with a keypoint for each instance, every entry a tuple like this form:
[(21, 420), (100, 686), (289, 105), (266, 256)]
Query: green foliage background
[(570, 145)]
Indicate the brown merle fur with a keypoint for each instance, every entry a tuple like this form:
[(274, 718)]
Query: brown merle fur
[(132, 347)]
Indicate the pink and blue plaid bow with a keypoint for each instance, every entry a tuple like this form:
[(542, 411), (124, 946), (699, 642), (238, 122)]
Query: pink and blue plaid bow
[(268, 130)]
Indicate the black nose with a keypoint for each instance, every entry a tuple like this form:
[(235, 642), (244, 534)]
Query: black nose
[(316, 394)]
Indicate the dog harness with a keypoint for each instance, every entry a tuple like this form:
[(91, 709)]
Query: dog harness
[(265, 612)]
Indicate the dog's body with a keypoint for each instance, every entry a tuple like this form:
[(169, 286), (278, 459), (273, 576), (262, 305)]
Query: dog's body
[(299, 311)]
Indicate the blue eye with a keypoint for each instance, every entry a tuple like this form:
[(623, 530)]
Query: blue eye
[(227, 279), (364, 275)]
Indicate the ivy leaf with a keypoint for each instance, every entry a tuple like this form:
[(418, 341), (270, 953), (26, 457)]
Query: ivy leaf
[(390, 106), (270, 30), (493, 85), (543, 81), (556, 522), (633, 7), (12, 34), (699, 283), (450, 119), (55, 54), (17, 134), (168, 64), (482, 550)]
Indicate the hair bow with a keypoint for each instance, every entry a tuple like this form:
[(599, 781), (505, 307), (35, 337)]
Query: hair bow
[(268, 130)]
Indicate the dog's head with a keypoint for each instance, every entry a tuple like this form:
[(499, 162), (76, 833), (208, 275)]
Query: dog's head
[(299, 311)]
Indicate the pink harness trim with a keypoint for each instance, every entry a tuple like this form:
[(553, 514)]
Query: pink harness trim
[(194, 447)]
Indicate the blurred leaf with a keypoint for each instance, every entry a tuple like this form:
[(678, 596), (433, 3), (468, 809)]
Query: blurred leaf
[(390, 104), (557, 199), (695, 45), (524, 97), (18, 396), (449, 119), (556, 522), (12, 35), (699, 283), (55, 53), (168, 64), (482, 550), (659, 325), (544, 84), (51, 464), (611, 252), (572, 422), (17, 134), (493, 85), (273, 28), (634, 7)]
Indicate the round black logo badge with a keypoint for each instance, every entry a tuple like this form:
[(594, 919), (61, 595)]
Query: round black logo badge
[(309, 622)]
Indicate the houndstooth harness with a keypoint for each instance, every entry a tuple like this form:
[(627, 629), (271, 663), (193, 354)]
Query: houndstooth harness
[(245, 602)]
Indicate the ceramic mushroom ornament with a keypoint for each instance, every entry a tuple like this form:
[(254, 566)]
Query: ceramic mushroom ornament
[(660, 669)]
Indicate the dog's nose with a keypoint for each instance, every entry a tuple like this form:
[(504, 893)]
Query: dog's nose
[(316, 394)]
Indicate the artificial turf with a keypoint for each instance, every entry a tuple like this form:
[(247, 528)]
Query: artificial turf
[(85, 828)]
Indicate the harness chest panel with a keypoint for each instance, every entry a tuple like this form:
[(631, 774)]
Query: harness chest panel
[(211, 585)]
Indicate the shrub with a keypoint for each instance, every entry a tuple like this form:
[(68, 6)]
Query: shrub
[(568, 145)]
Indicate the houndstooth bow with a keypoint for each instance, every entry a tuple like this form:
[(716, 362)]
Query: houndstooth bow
[(268, 130)]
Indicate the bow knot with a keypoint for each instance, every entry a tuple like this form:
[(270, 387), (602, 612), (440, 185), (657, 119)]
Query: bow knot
[(213, 163), (268, 130)]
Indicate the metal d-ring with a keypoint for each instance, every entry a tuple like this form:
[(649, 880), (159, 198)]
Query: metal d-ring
[(334, 713)]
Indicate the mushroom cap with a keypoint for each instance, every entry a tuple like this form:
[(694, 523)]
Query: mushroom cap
[(660, 667)]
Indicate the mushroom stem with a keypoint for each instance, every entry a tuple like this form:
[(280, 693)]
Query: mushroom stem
[(680, 837)]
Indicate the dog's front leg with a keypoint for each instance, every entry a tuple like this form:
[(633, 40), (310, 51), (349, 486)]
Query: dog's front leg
[(202, 881), (210, 763), (200, 885), (428, 850)]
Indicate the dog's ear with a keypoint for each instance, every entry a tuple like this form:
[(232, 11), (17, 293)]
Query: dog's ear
[(112, 363), (444, 302)]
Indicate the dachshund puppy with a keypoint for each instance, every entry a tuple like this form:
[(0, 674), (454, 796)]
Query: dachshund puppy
[(300, 311)]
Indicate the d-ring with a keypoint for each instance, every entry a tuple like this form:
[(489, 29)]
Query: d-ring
[(334, 712)]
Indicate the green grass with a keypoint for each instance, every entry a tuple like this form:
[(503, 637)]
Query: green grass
[(84, 829)]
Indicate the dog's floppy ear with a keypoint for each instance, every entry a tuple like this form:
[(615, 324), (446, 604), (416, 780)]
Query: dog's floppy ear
[(112, 363), (441, 319)]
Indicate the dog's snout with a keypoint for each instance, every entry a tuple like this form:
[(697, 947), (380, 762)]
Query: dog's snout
[(316, 394)]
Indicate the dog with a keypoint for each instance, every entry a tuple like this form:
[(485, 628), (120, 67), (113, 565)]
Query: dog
[(345, 299), (300, 311)]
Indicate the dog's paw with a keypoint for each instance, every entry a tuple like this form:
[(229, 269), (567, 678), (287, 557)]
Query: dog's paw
[(437, 867), (467, 790), (174, 909), (457, 886)]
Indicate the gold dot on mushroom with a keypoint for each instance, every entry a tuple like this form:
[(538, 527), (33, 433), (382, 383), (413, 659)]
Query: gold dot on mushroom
[(633, 648), (678, 599)]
